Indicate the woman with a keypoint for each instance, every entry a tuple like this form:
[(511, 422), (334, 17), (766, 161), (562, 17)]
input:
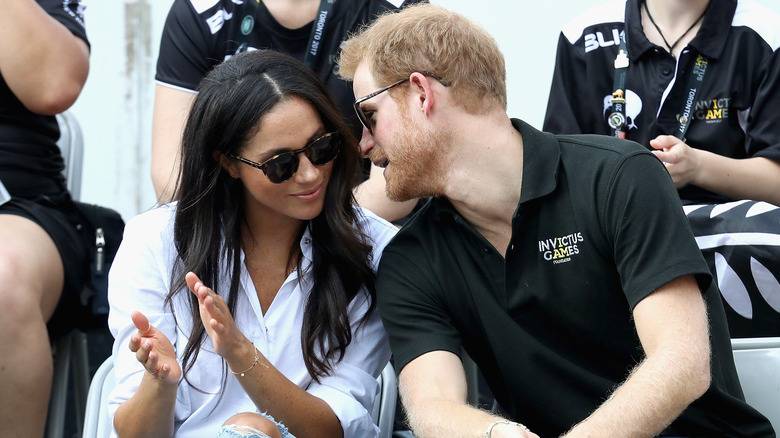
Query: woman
[(265, 218)]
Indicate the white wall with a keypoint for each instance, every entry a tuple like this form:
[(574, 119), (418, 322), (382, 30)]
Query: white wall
[(115, 109)]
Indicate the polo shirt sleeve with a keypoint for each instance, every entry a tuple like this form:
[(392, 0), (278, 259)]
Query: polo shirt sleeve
[(412, 306), (763, 129), (562, 105), (184, 58), (68, 12), (651, 238)]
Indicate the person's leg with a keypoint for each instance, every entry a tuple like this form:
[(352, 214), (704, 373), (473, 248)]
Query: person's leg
[(252, 425), (31, 281)]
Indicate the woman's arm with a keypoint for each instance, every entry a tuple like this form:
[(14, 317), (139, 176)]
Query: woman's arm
[(149, 412), (304, 414), (756, 178)]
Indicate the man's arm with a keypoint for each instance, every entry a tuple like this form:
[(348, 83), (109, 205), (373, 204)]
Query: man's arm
[(43, 63), (673, 328), (433, 391), (171, 107)]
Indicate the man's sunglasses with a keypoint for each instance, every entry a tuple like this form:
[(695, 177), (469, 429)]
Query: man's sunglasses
[(282, 167), (362, 116)]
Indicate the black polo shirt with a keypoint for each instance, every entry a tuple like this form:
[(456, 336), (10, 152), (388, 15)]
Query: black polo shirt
[(201, 34), (597, 229), (30, 161), (734, 109)]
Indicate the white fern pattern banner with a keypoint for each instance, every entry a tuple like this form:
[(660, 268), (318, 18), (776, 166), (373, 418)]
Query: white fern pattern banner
[(741, 243)]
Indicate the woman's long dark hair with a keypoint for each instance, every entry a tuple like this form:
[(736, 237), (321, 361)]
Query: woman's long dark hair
[(226, 114)]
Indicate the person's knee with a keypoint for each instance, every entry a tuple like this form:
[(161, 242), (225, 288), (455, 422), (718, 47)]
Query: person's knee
[(20, 306), (31, 276), (246, 421)]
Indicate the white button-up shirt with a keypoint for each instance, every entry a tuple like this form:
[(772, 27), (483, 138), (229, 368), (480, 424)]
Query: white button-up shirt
[(140, 280)]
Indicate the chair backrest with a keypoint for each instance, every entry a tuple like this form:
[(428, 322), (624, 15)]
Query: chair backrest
[(98, 425), (71, 144), (758, 367), (383, 413)]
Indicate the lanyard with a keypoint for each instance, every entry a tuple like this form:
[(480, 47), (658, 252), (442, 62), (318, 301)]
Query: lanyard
[(617, 119), (695, 78), (318, 28), (313, 48)]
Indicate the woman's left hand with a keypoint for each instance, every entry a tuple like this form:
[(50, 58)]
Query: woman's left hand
[(681, 160), (219, 323)]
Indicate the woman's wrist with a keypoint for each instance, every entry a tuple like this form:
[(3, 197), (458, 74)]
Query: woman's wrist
[(245, 361), (505, 429)]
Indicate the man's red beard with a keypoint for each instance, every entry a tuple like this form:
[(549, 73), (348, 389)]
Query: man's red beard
[(417, 161)]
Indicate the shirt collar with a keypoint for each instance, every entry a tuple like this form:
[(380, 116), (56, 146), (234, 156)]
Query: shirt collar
[(541, 158), (709, 41)]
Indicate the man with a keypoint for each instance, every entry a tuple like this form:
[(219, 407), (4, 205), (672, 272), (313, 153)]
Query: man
[(564, 266)]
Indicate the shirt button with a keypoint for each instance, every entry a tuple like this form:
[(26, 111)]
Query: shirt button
[(306, 240), (666, 71)]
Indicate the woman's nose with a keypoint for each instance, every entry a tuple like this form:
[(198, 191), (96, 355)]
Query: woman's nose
[(306, 170)]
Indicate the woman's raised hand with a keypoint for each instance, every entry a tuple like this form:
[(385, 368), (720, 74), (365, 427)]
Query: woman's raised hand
[(218, 322), (154, 350)]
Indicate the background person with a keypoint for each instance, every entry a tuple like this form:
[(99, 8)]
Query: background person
[(199, 35), (265, 217), (722, 58), (44, 61), (534, 256)]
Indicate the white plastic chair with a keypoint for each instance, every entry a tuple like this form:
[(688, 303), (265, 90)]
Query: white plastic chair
[(758, 367), (96, 421), (383, 413), (98, 425), (70, 349)]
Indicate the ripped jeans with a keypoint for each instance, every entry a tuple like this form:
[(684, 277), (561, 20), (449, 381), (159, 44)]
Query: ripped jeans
[(236, 431)]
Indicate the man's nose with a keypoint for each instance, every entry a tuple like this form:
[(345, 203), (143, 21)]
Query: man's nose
[(366, 143)]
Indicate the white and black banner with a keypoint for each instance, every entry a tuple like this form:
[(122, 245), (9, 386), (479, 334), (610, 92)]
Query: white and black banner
[(741, 243)]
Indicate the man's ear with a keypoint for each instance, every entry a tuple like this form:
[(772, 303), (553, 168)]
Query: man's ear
[(226, 163), (422, 89)]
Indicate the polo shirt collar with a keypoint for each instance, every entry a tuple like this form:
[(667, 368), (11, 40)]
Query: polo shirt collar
[(541, 158), (709, 41)]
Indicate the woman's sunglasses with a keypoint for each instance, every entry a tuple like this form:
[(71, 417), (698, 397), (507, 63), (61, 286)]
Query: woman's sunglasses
[(282, 167)]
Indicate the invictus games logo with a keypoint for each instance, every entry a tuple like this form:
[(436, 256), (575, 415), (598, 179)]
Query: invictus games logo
[(712, 110), (560, 249)]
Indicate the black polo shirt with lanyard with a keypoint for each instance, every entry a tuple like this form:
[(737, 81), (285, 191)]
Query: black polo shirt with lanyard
[(597, 229), (201, 34), (733, 111)]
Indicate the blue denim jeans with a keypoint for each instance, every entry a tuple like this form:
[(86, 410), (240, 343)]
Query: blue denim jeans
[(236, 431)]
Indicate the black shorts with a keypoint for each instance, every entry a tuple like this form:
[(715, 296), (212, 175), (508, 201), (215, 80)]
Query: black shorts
[(56, 215)]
